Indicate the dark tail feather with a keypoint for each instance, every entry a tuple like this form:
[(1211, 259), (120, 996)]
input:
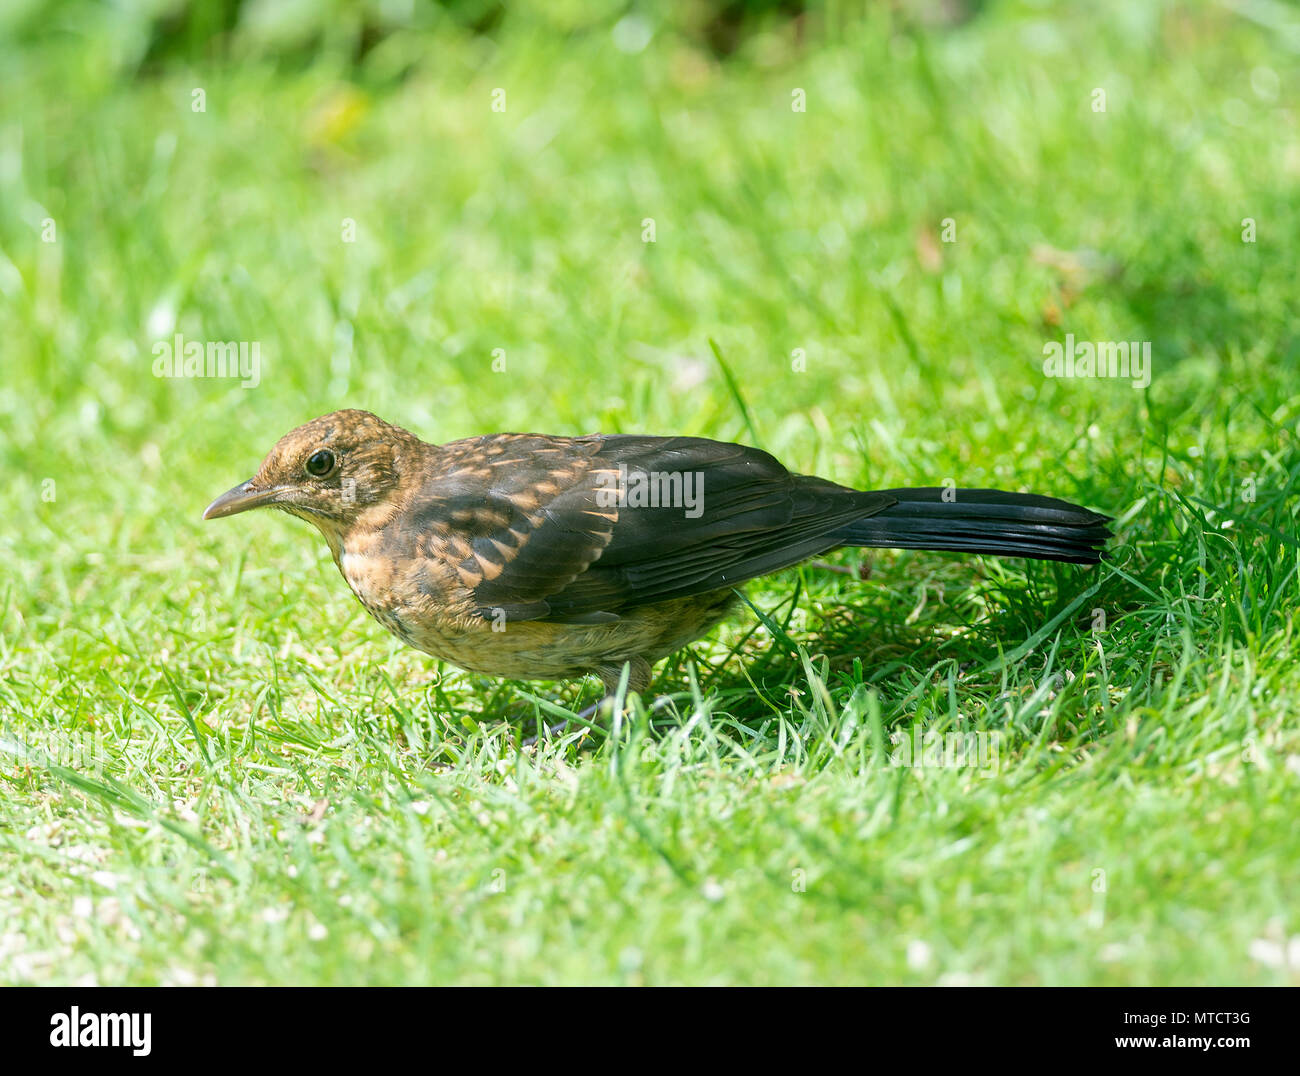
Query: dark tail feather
[(984, 521)]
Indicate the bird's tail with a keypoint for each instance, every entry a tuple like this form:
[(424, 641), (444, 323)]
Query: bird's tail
[(984, 521)]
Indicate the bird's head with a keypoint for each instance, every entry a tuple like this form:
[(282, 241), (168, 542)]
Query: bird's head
[(332, 471)]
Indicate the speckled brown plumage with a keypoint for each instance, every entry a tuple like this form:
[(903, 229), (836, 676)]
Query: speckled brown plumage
[(507, 554)]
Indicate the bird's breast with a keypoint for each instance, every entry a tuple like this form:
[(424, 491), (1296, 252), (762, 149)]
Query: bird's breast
[(373, 578)]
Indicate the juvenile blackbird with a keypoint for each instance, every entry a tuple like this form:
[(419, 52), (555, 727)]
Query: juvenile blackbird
[(535, 557)]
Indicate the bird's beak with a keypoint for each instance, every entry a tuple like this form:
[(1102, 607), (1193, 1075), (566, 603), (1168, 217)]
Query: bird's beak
[(241, 499)]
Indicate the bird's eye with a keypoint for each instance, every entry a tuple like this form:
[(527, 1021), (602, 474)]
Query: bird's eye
[(320, 463)]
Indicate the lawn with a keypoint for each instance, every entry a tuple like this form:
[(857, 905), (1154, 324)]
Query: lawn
[(216, 768)]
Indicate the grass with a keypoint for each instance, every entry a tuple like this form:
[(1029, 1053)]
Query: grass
[(215, 768)]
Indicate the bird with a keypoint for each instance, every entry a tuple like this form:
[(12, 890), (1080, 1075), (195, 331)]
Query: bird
[(535, 557)]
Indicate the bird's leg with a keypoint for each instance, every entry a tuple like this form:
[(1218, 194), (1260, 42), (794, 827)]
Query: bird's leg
[(559, 727), (611, 676)]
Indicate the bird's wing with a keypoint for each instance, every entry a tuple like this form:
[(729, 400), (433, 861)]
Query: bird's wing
[(581, 529), (515, 516)]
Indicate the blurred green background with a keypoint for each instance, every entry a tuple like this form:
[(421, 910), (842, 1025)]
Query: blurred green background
[(880, 213), (523, 229)]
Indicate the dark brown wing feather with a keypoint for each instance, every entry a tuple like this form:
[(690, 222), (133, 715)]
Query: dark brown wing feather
[(516, 515), (546, 543)]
